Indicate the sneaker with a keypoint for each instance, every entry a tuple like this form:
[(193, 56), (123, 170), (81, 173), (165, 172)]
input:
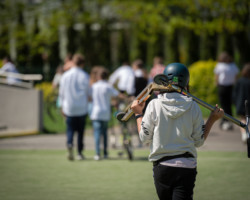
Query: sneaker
[(80, 157), (244, 137), (226, 126), (97, 157), (70, 153), (105, 157), (120, 154)]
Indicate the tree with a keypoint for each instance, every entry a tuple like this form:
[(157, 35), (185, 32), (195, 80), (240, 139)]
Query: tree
[(184, 31)]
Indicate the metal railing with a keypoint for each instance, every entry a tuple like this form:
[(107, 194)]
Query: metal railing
[(19, 80)]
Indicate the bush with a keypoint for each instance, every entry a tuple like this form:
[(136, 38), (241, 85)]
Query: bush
[(49, 94), (52, 118), (202, 81)]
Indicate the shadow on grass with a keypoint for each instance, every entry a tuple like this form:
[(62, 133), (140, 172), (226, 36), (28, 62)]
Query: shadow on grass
[(48, 132), (113, 158)]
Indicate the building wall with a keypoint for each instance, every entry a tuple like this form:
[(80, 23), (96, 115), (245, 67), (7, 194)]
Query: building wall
[(20, 108)]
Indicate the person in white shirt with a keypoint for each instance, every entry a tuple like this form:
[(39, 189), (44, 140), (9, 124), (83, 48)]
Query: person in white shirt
[(102, 92), (56, 83), (173, 126), (73, 93), (125, 77), (225, 75), (8, 66)]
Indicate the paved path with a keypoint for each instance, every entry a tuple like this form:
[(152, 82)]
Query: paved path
[(217, 141)]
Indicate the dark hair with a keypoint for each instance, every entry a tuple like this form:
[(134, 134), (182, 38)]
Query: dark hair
[(104, 74), (69, 56), (78, 59), (138, 63), (7, 57), (246, 71), (95, 73), (224, 57), (158, 60), (125, 62)]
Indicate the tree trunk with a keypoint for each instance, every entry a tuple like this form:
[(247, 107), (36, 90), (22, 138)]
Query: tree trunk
[(172, 53), (208, 46), (192, 47), (243, 46)]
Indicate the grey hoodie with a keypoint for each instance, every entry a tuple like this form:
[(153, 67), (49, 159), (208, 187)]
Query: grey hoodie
[(172, 124)]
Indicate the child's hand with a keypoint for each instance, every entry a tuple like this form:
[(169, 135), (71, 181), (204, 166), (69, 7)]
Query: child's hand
[(136, 107), (217, 113)]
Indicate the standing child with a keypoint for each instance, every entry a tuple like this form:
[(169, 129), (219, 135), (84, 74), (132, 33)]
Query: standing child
[(102, 92), (174, 127)]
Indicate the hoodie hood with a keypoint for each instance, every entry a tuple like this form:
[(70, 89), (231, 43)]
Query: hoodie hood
[(175, 104)]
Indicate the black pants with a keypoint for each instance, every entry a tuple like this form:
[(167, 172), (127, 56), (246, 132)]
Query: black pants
[(225, 97), (174, 182)]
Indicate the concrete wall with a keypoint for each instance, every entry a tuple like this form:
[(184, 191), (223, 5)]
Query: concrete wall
[(21, 109)]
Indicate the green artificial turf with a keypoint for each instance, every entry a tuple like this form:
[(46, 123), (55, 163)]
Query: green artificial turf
[(223, 175), (46, 174)]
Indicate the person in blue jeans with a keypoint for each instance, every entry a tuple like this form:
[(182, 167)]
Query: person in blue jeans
[(73, 94), (100, 130), (102, 92), (75, 124)]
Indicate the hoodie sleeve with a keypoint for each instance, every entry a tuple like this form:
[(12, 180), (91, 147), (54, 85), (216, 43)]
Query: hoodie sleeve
[(198, 126), (148, 124)]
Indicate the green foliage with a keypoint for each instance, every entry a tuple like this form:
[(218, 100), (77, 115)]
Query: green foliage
[(35, 28), (53, 121), (4, 40), (48, 91), (202, 81)]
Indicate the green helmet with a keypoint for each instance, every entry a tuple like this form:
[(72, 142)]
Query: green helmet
[(177, 74)]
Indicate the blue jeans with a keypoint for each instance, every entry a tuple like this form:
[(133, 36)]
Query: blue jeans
[(76, 124), (100, 128)]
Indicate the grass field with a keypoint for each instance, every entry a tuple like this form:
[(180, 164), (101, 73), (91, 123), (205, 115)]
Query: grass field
[(47, 175)]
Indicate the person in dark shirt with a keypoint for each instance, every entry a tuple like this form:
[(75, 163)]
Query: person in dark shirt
[(241, 93), (141, 80)]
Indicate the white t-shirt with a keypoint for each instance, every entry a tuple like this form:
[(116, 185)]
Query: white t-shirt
[(125, 77), (226, 73), (102, 92), (74, 92)]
